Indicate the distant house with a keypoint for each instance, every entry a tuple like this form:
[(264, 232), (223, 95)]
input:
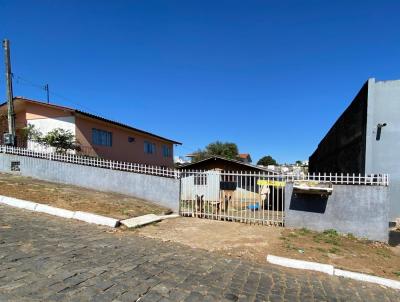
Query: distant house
[(96, 135), (245, 157)]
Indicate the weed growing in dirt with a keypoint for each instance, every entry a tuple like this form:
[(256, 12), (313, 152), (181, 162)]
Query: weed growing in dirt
[(320, 249), (334, 250), (383, 253), (351, 236), (293, 235), (304, 231), (397, 273), (328, 236)]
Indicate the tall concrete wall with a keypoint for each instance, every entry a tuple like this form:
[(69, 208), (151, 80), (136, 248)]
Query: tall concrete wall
[(382, 154), (342, 148), (360, 210), (352, 144), (160, 190)]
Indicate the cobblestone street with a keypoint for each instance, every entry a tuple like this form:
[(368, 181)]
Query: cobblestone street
[(43, 258)]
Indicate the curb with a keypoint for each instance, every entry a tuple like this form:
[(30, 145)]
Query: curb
[(331, 270), (97, 219), (368, 278), (300, 264), (18, 203), (43, 208)]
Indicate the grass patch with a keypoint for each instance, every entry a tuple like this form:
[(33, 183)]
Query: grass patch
[(397, 273), (304, 231), (334, 250), (351, 236), (383, 253), (328, 236)]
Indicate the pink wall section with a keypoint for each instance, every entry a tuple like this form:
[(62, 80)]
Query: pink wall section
[(35, 111), (121, 149)]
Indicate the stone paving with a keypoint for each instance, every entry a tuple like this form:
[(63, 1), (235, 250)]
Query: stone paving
[(43, 258)]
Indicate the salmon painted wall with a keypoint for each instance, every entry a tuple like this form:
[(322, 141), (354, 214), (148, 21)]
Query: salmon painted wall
[(121, 148), (36, 111)]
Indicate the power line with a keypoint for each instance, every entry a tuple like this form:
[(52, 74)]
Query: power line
[(24, 81)]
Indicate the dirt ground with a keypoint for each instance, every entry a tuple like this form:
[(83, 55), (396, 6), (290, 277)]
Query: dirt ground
[(254, 242), (76, 198)]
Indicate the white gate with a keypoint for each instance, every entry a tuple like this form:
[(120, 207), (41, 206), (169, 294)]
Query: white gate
[(233, 196)]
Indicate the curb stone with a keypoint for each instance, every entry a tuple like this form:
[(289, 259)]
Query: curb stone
[(300, 264), (42, 208), (331, 270)]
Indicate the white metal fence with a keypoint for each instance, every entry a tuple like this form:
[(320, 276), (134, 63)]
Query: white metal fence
[(92, 161), (251, 197)]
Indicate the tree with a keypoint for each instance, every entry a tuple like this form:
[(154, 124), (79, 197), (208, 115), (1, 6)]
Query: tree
[(224, 149), (299, 162), (60, 139), (267, 160), (31, 133)]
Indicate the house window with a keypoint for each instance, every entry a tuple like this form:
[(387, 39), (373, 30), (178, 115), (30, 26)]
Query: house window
[(200, 179), (167, 152), (101, 137), (149, 148)]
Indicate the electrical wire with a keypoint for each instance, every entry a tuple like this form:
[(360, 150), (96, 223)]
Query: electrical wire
[(24, 81)]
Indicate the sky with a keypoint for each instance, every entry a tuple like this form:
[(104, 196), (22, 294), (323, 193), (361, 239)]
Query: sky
[(270, 76)]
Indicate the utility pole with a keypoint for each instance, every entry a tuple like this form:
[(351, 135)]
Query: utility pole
[(46, 87), (9, 138)]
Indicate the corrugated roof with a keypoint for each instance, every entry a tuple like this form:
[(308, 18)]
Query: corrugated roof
[(185, 166), (94, 117)]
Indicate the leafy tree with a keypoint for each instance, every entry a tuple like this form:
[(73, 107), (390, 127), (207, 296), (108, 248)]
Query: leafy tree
[(299, 162), (267, 160), (62, 140), (31, 133), (224, 149), (58, 138)]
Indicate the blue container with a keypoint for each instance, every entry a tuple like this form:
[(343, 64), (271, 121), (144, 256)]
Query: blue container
[(254, 207)]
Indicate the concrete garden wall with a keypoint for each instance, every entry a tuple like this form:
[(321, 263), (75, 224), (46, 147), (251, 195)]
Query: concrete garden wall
[(357, 209), (161, 190)]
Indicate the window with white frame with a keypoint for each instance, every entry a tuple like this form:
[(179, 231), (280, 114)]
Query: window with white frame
[(167, 152), (149, 148), (101, 137)]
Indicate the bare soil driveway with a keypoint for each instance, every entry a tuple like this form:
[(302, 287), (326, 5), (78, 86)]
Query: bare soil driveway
[(43, 258)]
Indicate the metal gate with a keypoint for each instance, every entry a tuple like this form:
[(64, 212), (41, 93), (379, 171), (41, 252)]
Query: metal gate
[(233, 196)]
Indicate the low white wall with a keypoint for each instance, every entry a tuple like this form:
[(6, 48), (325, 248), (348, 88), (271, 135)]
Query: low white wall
[(160, 190)]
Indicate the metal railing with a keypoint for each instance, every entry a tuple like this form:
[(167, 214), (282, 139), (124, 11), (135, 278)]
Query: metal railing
[(92, 161), (252, 197)]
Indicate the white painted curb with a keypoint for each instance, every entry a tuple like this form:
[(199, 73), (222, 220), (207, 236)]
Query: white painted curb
[(18, 203), (97, 219), (54, 211), (313, 266), (330, 270), (42, 208), (367, 278)]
